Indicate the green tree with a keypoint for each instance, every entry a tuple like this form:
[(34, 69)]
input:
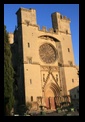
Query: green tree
[(8, 76)]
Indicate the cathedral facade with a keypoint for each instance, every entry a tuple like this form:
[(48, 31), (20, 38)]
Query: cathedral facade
[(43, 60)]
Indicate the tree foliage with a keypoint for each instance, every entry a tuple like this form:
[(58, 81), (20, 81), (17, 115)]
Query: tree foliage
[(8, 73)]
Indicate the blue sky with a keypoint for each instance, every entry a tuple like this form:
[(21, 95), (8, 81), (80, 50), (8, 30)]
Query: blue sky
[(43, 15)]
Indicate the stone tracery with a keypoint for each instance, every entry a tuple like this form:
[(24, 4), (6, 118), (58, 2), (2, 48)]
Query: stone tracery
[(47, 53)]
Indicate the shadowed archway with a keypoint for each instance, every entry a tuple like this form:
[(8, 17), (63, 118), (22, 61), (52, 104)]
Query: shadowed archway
[(50, 92)]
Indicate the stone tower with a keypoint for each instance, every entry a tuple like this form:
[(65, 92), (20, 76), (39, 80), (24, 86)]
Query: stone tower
[(26, 16), (43, 60), (62, 23)]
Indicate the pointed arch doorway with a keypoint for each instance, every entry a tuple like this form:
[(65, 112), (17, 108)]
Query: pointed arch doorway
[(50, 99), (50, 93)]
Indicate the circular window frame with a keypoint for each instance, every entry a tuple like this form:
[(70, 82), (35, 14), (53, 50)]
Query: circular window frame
[(55, 51)]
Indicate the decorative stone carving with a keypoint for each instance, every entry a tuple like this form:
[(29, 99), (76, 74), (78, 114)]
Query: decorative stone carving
[(48, 38), (57, 78), (49, 68), (56, 83), (43, 77), (29, 59), (48, 54)]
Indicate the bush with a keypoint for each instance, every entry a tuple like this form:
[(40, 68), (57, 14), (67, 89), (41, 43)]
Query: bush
[(72, 109), (58, 110), (43, 113), (22, 109)]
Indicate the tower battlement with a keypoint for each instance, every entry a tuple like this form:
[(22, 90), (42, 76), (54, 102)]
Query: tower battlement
[(28, 15), (50, 30), (60, 22), (65, 18), (26, 10)]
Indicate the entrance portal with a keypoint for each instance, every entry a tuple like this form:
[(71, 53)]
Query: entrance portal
[(50, 99)]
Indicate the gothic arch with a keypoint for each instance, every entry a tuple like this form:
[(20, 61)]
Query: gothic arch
[(51, 85), (51, 95), (52, 88), (47, 37)]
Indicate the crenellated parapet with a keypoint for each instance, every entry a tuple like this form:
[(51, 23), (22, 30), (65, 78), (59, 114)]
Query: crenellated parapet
[(64, 18), (44, 29), (26, 10), (50, 30), (60, 22)]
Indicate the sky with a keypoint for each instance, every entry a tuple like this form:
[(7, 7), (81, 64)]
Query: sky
[(43, 16)]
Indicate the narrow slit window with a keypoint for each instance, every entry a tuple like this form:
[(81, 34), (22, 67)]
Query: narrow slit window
[(30, 81), (28, 44), (72, 80), (68, 49), (31, 98), (54, 30), (66, 31)]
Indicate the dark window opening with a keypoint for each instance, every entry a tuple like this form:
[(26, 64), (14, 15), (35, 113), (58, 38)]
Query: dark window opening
[(54, 30), (68, 49), (31, 98), (73, 80), (66, 31), (30, 81), (28, 44)]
